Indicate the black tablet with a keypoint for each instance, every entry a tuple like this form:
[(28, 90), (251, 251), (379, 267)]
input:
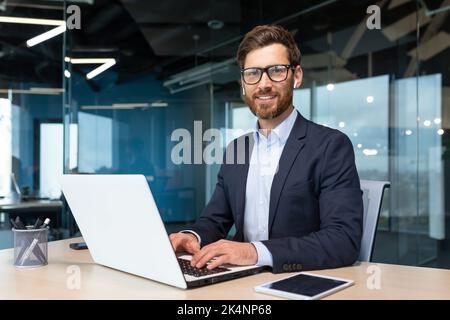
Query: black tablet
[(304, 286)]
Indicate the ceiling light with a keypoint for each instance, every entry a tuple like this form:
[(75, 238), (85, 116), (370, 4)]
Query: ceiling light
[(330, 87), (341, 124), (42, 22), (130, 105), (101, 69), (215, 24), (159, 104), (370, 152), (49, 91), (89, 60), (437, 121), (106, 63), (359, 145), (125, 106), (427, 123), (440, 132), (57, 90), (370, 99), (67, 73), (46, 35), (408, 132)]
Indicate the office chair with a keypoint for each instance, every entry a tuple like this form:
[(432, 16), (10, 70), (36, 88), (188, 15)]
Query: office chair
[(372, 197)]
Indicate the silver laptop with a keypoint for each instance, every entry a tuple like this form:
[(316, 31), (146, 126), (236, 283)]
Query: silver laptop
[(122, 227)]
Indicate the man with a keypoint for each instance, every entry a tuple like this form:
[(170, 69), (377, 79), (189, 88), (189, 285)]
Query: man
[(296, 201)]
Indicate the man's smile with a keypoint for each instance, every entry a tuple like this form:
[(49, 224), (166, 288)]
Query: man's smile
[(266, 97)]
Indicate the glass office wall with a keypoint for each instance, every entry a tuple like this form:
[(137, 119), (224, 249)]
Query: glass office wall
[(379, 74), (385, 88), (31, 129)]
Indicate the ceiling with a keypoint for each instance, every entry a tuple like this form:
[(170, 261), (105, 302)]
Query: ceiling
[(171, 36)]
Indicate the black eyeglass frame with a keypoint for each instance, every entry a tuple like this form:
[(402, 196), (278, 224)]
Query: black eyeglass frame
[(266, 70)]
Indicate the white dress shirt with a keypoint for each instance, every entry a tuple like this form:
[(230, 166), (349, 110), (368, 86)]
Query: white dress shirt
[(263, 167)]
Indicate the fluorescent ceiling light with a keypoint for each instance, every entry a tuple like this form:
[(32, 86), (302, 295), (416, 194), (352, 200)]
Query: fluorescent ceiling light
[(126, 106), (101, 69), (370, 152), (46, 35), (42, 22), (89, 60), (159, 104), (106, 63), (107, 107), (130, 105), (49, 91), (57, 90)]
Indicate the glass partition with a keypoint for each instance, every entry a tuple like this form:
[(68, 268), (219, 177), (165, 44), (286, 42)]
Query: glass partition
[(169, 76), (31, 137)]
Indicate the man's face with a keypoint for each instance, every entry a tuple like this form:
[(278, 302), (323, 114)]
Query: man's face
[(268, 99)]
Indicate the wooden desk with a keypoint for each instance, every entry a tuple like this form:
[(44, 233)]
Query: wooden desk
[(97, 282)]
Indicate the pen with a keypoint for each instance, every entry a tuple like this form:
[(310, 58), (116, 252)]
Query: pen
[(14, 224), (33, 243), (18, 225), (37, 223)]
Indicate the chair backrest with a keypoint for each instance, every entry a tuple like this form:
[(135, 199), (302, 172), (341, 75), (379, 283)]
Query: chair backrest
[(372, 197)]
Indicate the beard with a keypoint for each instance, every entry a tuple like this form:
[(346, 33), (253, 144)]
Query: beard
[(269, 110)]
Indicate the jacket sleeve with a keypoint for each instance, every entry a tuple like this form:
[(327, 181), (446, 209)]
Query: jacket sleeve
[(217, 218), (337, 242)]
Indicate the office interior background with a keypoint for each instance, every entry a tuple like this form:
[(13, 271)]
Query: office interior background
[(170, 63)]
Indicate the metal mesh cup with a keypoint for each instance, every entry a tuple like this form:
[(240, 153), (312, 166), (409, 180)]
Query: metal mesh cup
[(30, 247)]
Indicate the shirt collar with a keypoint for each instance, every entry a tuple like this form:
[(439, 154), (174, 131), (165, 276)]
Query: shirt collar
[(281, 132)]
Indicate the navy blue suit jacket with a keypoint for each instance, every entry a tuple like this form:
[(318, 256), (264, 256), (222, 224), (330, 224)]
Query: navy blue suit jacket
[(316, 208)]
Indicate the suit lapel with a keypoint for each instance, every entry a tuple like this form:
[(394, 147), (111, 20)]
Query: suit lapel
[(242, 171), (292, 148)]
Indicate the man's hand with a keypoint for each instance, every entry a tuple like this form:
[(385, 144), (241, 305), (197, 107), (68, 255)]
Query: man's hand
[(225, 251), (184, 242)]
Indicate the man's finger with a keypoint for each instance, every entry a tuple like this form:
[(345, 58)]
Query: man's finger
[(200, 254), (175, 241), (208, 256), (192, 247), (219, 261)]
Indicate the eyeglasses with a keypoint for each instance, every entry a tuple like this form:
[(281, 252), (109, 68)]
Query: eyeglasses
[(276, 73)]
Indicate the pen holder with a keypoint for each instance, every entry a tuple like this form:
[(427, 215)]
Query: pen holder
[(30, 247)]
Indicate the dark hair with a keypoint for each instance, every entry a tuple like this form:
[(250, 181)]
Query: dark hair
[(262, 36)]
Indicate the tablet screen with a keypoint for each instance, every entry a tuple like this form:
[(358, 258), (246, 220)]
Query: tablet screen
[(305, 285)]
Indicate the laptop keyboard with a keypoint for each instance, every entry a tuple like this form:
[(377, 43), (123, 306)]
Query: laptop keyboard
[(198, 272)]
